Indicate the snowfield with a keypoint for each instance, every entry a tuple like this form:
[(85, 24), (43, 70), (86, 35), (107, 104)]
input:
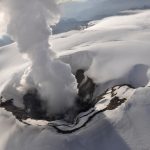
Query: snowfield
[(113, 52)]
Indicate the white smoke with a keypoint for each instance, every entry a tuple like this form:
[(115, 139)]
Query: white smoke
[(29, 26), (3, 22)]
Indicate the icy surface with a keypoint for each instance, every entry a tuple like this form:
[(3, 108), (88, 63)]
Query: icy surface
[(125, 127), (113, 51)]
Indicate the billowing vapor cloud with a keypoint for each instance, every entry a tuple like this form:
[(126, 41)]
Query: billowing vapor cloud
[(3, 21), (28, 25)]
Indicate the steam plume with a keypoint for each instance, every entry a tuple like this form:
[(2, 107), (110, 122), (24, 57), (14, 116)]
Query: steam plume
[(28, 25)]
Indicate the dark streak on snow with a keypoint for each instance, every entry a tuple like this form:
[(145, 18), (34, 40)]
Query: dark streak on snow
[(115, 102)]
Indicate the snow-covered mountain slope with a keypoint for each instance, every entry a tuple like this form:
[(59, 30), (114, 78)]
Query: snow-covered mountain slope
[(68, 25), (97, 9), (126, 127), (113, 51), (5, 40)]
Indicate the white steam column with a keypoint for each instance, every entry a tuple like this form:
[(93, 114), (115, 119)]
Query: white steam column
[(28, 25)]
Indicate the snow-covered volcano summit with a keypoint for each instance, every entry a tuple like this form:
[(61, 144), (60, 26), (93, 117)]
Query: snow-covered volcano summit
[(114, 54)]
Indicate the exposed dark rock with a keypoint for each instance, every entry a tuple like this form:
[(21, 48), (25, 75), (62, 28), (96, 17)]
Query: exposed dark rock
[(34, 106), (84, 101), (80, 76), (19, 113), (115, 102), (86, 89)]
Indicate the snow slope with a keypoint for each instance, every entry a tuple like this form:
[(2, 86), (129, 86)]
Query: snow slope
[(97, 9), (5, 40), (113, 51)]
